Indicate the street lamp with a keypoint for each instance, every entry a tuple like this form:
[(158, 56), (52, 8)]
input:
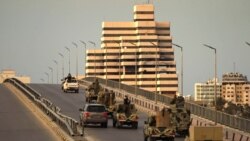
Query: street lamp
[(93, 43), (181, 67), (135, 67), (69, 56), (215, 81), (156, 70), (106, 65), (62, 64), (76, 59), (84, 55), (248, 43), (51, 69), (47, 76), (56, 71)]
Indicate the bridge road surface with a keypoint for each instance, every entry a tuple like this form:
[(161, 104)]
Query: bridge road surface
[(17, 123), (70, 104)]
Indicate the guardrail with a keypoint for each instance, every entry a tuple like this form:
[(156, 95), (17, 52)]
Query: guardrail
[(204, 112), (68, 124)]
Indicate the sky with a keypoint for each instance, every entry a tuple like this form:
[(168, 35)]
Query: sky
[(33, 32)]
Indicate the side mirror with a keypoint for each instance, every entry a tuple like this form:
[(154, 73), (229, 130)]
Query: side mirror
[(145, 122), (81, 110)]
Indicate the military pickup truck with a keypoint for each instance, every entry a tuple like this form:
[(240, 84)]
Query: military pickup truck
[(161, 126), (70, 83), (125, 114)]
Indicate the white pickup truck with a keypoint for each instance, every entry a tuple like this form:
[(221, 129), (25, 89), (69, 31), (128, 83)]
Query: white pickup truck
[(70, 85)]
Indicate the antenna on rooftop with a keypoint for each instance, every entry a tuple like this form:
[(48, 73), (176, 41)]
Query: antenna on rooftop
[(234, 67)]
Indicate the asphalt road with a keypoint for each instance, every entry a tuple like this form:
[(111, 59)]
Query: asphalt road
[(70, 104), (17, 122)]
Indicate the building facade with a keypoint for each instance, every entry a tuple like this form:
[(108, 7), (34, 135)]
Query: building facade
[(136, 53), (205, 91), (8, 73), (236, 88)]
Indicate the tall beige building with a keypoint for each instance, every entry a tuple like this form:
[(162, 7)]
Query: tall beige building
[(136, 53), (236, 88)]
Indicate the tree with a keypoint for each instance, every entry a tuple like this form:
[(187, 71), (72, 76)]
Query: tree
[(220, 102)]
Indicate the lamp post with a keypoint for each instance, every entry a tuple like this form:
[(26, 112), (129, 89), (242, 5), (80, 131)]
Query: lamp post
[(215, 79), (156, 66), (76, 59), (56, 71), (47, 76), (181, 67), (93, 43), (62, 64), (120, 47), (84, 56), (248, 43), (51, 69), (69, 56), (135, 67), (106, 65)]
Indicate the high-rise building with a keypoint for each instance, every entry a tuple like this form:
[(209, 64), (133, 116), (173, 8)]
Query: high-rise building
[(138, 53), (205, 91), (236, 88)]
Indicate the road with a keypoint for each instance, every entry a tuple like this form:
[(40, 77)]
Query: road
[(70, 104), (19, 123)]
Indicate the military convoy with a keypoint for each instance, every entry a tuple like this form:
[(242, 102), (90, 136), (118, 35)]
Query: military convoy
[(164, 125)]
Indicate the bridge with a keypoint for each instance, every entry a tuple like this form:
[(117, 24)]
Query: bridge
[(62, 109)]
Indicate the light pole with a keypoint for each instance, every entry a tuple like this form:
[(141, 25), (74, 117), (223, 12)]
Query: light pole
[(181, 67), (69, 56), (93, 43), (84, 56), (215, 79), (62, 64), (248, 43), (120, 64), (106, 65), (135, 67), (51, 69), (56, 71), (76, 59), (156, 70), (47, 76)]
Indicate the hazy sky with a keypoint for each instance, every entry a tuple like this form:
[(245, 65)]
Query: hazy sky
[(32, 32)]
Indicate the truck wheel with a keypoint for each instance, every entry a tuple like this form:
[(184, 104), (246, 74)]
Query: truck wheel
[(151, 139), (114, 123), (145, 137), (105, 124), (135, 125), (118, 124)]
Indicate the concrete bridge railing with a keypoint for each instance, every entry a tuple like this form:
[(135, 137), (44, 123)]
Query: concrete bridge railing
[(146, 101)]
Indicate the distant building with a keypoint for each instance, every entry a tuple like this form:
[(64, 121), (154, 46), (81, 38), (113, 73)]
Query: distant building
[(205, 91), (8, 73), (136, 53), (236, 88)]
